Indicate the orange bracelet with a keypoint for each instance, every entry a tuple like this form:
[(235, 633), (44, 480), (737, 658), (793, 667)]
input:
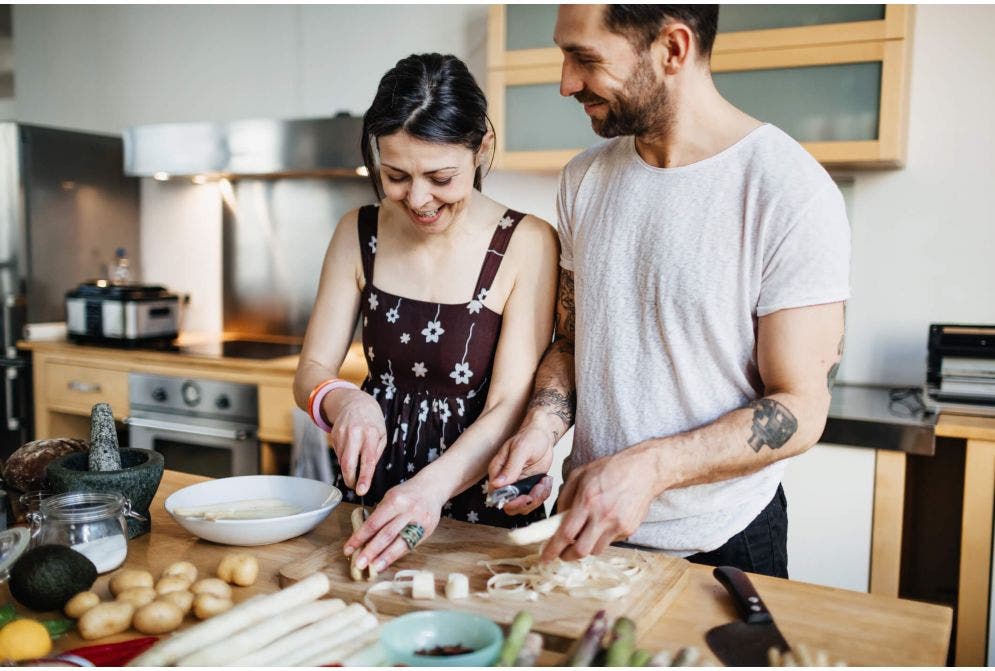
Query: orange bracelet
[(318, 395)]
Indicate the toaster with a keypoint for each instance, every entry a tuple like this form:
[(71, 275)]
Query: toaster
[(103, 312)]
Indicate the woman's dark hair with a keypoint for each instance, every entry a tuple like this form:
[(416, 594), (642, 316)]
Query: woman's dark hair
[(431, 97)]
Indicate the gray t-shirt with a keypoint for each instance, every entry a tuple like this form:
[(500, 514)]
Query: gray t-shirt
[(672, 268)]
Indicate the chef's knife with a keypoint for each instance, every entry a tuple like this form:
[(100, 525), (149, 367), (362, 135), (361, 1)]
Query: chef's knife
[(744, 643)]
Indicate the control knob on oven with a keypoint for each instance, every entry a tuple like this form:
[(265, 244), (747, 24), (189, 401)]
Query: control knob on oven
[(159, 395), (190, 392), (222, 402)]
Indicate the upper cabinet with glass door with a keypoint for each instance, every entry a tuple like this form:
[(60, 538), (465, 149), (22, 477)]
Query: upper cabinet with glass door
[(835, 77)]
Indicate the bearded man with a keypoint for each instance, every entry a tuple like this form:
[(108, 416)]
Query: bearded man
[(704, 269)]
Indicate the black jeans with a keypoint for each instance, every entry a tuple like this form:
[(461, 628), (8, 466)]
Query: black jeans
[(762, 547)]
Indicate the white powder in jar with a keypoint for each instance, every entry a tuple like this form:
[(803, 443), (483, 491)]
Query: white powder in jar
[(106, 553)]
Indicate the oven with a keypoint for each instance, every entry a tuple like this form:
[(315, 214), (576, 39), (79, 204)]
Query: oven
[(204, 427)]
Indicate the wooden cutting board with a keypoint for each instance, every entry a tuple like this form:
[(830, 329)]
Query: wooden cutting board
[(459, 546)]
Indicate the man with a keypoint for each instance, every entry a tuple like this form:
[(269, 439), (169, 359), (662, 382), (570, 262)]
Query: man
[(704, 266)]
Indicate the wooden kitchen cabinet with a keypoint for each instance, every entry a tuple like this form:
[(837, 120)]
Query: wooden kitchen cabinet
[(836, 78), (74, 389)]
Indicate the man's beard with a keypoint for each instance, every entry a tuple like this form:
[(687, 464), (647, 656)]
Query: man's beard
[(646, 111)]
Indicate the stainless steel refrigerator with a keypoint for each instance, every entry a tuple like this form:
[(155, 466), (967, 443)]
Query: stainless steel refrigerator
[(65, 207)]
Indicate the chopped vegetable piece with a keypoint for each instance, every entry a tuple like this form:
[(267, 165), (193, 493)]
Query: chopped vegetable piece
[(423, 585), (457, 586), (537, 532)]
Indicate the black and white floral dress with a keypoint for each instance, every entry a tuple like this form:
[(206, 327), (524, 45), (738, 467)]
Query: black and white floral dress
[(429, 369)]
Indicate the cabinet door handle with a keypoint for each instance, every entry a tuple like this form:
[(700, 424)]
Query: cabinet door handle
[(84, 387), (13, 422)]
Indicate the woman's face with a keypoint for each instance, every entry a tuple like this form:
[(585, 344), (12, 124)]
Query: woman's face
[(431, 182)]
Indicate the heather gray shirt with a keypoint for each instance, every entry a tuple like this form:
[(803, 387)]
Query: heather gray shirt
[(672, 267)]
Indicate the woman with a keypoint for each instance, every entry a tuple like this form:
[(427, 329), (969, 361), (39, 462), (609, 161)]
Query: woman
[(455, 293)]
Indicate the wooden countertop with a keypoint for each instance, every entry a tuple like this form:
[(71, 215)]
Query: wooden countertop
[(862, 629), (179, 363)]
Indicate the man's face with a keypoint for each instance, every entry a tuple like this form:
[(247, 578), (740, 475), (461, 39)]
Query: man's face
[(618, 87)]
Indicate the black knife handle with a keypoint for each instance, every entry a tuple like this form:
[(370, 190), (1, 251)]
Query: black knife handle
[(749, 604), (525, 485)]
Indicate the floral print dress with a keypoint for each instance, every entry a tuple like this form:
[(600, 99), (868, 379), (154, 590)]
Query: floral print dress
[(429, 369)]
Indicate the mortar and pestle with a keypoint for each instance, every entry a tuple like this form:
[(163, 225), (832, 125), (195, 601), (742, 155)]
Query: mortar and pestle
[(132, 472)]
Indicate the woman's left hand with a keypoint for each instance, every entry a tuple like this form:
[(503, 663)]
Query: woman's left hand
[(379, 541)]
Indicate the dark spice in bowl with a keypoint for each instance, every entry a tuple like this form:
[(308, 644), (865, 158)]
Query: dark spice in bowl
[(445, 650)]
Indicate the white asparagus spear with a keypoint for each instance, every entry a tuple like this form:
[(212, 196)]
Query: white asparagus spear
[(340, 653), (263, 633), (278, 652), (537, 532), (366, 623), (243, 615), (233, 507)]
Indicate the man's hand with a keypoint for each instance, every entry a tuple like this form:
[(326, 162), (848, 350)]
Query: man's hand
[(359, 435), (528, 452), (605, 501)]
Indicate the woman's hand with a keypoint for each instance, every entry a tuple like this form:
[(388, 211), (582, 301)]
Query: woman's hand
[(378, 540), (358, 435)]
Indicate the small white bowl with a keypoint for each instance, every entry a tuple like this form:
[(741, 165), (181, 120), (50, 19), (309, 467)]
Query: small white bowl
[(315, 498)]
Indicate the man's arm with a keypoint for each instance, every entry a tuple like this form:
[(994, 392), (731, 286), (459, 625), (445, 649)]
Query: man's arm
[(550, 412), (798, 352)]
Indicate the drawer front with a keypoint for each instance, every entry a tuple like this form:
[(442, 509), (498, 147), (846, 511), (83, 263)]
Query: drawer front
[(77, 388), (276, 405)]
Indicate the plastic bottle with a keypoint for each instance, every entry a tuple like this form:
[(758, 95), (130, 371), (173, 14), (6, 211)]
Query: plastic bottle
[(121, 270)]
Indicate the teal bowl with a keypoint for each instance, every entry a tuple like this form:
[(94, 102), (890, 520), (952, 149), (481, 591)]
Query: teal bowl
[(403, 636)]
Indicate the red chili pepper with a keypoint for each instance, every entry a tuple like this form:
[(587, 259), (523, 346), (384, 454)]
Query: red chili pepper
[(114, 654)]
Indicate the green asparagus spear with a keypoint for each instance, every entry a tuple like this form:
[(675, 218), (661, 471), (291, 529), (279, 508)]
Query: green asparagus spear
[(640, 658), (516, 636), (623, 642)]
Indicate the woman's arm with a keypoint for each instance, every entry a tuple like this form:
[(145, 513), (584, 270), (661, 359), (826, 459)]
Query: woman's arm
[(526, 331), (333, 319)]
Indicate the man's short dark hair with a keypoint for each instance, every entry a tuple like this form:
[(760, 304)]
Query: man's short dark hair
[(642, 23)]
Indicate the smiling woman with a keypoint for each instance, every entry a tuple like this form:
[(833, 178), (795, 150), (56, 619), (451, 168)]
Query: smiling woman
[(455, 293)]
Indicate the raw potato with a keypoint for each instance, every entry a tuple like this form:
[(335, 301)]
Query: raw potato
[(213, 586), (80, 603), (158, 617), (105, 619), (172, 583), (239, 569), (182, 600), (138, 596), (209, 605), (129, 578), (183, 569)]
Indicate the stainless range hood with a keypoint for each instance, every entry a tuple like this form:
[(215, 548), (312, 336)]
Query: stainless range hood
[(251, 148)]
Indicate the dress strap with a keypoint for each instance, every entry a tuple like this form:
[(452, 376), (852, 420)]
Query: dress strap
[(495, 252), (367, 227)]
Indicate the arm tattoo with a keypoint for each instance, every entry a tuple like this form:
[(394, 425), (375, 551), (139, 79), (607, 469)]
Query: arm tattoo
[(831, 377), (773, 424), (568, 308), (562, 405)]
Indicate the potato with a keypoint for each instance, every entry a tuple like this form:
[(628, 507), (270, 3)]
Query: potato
[(80, 603), (138, 596), (105, 619), (214, 586), (129, 578), (182, 569), (157, 617), (172, 583), (183, 600), (239, 569), (209, 605)]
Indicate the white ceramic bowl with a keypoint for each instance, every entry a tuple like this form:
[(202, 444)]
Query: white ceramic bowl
[(315, 498)]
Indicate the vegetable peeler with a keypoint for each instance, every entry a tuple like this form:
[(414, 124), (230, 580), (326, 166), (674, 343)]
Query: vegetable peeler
[(502, 495)]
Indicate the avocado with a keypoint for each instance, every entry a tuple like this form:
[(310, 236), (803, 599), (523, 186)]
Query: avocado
[(46, 577)]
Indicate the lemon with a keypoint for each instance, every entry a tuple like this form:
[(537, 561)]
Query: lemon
[(24, 639)]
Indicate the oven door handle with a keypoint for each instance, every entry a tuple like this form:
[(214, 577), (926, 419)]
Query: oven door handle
[(230, 434)]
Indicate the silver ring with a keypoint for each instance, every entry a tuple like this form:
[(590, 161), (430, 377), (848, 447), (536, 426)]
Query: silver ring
[(411, 534)]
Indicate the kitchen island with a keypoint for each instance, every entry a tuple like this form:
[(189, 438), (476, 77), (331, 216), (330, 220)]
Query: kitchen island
[(861, 629)]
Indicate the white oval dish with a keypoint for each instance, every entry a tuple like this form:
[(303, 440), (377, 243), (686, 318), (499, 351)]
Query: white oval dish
[(315, 498)]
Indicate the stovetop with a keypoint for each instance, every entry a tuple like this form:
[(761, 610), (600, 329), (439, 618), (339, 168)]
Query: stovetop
[(241, 349)]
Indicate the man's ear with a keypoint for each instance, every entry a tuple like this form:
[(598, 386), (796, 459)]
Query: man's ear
[(672, 47)]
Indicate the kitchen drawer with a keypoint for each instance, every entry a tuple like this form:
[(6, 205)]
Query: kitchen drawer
[(76, 389), (276, 405)]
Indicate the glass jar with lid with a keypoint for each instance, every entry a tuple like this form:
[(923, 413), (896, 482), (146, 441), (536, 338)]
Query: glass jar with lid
[(92, 523)]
